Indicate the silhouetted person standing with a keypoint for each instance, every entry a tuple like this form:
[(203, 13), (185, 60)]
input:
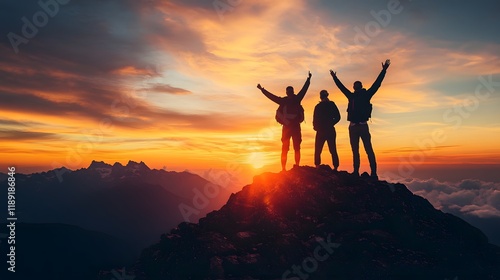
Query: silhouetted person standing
[(358, 112), (326, 116), (290, 114)]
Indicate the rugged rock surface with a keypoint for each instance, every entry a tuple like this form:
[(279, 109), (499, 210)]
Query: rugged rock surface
[(310, 223)]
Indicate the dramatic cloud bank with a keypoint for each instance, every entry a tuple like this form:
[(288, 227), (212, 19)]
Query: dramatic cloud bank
[(467, 197)]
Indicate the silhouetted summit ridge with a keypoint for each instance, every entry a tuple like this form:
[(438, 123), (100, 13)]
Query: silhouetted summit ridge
[(310, 223), (133, 164), (98, 164)]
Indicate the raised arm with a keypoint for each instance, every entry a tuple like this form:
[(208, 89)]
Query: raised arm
[(378, 82), (304, 89), (269, 95), (339, 84)]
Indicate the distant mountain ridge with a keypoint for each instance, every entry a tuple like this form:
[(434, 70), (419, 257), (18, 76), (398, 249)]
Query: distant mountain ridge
[(132, 168), (132, 202), (310, 223)]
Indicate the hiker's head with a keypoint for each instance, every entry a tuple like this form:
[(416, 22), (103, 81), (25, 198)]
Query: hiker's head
[(323, 94), (357, 85), (289, 91)]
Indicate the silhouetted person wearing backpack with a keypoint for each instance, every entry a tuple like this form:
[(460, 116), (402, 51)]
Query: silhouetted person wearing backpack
[(326, 116), (358, 112), (290, 114)]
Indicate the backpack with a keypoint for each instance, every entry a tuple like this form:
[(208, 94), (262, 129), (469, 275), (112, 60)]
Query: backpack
[(290, 113), (359, 110), (325, 115)]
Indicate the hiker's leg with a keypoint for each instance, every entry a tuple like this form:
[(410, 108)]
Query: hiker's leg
[(332, 146), (318, 146), (367, 143), (297, 139), (354, 139), (285, 140)]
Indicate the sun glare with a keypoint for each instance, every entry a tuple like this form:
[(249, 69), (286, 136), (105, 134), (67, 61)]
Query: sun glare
[(256, 160)]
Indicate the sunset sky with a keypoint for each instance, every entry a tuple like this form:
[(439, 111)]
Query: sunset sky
[(173, 83)]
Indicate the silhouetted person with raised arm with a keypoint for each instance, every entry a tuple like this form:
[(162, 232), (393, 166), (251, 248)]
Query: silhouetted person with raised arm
[(358, 112), (326, 116), (290, 114)]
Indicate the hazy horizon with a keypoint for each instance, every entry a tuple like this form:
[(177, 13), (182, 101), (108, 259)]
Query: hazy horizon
[(473, 190), (391, 172)]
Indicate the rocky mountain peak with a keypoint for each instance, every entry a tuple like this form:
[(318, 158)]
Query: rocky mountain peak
[(310, 223), (98, 164), (141, 165)]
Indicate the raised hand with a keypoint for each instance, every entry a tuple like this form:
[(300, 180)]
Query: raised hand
[(386, 64), (334, 74), (259, 87), (310, 75)]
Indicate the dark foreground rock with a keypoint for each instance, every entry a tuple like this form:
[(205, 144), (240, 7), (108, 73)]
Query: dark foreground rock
[(312, 223)]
